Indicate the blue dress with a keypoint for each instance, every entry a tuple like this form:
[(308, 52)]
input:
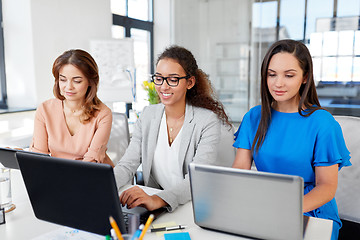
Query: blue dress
[(295, 145)]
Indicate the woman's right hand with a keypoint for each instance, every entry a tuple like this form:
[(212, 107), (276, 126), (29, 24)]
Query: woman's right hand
[(135, 197)]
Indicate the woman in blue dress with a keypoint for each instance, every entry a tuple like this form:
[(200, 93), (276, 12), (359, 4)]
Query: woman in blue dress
[(290, 133)]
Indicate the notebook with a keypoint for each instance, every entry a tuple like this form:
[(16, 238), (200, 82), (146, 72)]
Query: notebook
[(76, 194), (248, 203), (8, 158)]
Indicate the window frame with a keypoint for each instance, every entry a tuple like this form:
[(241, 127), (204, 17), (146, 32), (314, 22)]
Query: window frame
[(3, 98), (128, 23)]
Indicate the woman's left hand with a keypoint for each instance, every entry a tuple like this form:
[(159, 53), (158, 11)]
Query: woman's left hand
[(135, 196)]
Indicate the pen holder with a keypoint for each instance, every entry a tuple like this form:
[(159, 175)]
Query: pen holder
[(124, 236), (134, 222), (127, 236)]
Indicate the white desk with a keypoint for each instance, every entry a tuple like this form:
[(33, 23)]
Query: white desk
[(22, 224)]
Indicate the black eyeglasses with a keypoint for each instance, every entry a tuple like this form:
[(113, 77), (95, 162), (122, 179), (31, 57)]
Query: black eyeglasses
[(171, 81)]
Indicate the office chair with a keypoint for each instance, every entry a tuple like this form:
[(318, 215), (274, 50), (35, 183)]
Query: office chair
[(119, 137), (348, 191)]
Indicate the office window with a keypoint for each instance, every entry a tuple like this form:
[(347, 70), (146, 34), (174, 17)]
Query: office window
[(316, 44), (344, 73), (334, 53), (264, 21), (315, 10), (357, 43), (317, 69), (3, 103), (330, 42), (346, 42), (142, 61), (292, 21), (119, 7), (117, 32), (356, 69), (123, 25), (331, 31), (329, 69), (264, 14), (140, 9), (328, 27), (347, 8), (133, 19)]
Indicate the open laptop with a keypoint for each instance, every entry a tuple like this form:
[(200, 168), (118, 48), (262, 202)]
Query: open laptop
[(8, 158), (248, 203), (76, 194)]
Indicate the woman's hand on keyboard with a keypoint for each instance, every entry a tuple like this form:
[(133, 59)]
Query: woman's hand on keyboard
[(135, 196)]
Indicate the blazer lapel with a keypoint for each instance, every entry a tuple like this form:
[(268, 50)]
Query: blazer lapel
[(187, 132), (153, 136)]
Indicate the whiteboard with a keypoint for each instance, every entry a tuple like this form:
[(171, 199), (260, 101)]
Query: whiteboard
[(115, 59)]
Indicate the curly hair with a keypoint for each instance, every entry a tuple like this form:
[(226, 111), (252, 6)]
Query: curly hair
[(83, 61), (202, 93)]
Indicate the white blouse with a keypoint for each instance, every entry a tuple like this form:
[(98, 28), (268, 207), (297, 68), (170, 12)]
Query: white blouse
[(166, 167)]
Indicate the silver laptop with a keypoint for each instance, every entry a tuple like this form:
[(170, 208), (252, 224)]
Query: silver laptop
[(248, 203)]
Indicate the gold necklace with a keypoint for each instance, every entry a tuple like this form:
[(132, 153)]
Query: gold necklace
[(73, 110), (172, 129)]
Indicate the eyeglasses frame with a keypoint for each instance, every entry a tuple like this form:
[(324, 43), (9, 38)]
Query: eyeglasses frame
[(166, 79)]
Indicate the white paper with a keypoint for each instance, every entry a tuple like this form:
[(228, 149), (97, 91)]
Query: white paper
[(66, 233)]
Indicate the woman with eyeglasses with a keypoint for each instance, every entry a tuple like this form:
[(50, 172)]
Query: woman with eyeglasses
[(184, 127)]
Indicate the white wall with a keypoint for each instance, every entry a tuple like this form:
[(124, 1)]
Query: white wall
[(38, 31), (163, 25), (19, 59)]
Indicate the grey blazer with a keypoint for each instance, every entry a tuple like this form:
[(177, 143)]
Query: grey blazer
[(199, 140)]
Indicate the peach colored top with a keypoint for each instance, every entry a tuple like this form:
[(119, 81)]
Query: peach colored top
[(52, 136)]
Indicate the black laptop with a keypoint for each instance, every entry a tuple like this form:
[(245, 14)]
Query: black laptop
[(8, 158), (76, 194)]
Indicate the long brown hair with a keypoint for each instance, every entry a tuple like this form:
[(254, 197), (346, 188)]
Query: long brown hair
[(308, 97), (202, 93), (83, 61)]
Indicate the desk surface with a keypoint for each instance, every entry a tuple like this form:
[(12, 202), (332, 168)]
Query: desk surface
[(21, 223)]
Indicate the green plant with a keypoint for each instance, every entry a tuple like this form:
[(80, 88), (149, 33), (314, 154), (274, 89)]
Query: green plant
[(153, 97)]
